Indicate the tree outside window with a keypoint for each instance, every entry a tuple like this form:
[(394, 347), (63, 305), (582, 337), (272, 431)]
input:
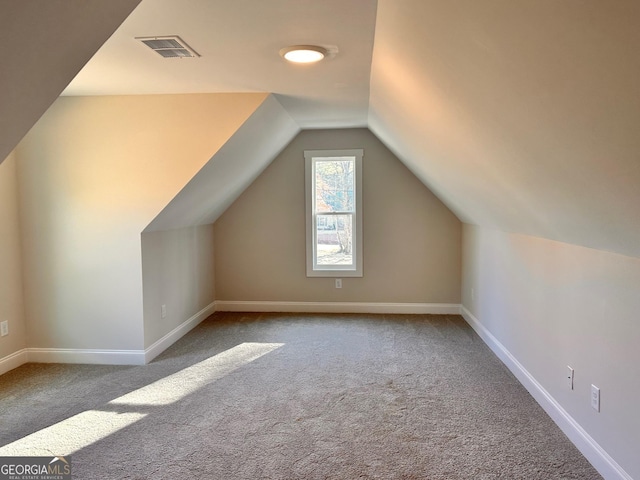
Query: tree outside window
[(332, 210)]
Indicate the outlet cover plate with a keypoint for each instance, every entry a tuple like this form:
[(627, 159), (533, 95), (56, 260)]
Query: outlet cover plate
[(595, 398), (4, 328)]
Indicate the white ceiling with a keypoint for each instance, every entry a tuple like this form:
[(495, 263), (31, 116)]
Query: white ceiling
[(523, 116), (239, 42)]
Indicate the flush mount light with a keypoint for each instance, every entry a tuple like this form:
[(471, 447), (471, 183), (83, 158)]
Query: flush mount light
[(303, 53)]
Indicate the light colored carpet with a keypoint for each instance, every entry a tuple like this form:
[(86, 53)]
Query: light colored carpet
[(292, 396)]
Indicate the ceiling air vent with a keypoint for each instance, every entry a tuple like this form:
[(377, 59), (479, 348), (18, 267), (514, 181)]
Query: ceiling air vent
[(169, 47)]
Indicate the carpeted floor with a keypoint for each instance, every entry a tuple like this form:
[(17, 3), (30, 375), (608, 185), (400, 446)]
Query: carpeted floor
[(292, 396)]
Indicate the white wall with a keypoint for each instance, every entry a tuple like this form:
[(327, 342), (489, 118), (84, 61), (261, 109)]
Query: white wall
[(93, 172), (11, 298), (178, 272), (552, 304)]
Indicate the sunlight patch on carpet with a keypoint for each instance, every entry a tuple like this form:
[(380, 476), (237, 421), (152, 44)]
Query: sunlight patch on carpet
[(72, 434), (175, 387), (86, 428)]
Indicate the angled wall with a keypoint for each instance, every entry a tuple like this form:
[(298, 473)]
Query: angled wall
[(93, 172), (411, 240), (51, 41)]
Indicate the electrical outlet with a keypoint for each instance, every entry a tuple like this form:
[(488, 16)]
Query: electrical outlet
[(595, 398), (338, 283), (163, 311), (570, 377), (4, 328), (473, 294)]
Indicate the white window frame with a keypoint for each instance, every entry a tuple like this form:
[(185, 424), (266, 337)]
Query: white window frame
[(313, 269)]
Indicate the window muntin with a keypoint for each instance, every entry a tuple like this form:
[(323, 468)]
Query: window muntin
[(334, 219)]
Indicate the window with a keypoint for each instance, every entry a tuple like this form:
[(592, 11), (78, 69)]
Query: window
[(334, 212)]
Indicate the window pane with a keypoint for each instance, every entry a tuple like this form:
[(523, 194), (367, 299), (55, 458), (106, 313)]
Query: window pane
[(333, 191), (335, 185), (334, 240)]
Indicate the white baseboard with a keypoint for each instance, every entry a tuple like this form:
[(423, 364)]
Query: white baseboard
[(89, 356), (71, 355), (142, 357), (338, 307), (596, 455), (104, 357), (13, 361), (177, 333)]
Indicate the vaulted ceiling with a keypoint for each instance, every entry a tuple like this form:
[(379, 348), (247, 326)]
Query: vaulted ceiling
[(521, 116), (45, 44)]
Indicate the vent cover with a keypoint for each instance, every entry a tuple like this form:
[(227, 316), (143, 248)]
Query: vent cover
[(169, 47)]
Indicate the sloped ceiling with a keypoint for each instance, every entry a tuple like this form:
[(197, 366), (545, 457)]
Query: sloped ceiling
[(44, 45), (231, 170), (521, 116)]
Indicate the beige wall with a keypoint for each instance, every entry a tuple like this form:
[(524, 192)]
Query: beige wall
[(11, 298), (411, 240), (553, 304), (93, 172), (177, 271)]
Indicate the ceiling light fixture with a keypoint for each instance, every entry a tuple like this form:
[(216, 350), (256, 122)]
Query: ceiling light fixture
[(304, 53)]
